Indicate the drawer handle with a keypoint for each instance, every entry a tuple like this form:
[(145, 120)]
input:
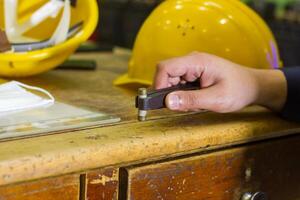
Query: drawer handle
[(255, 196)]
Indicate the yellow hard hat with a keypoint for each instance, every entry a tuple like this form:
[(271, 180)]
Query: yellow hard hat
[(21, 64), (228, 29)]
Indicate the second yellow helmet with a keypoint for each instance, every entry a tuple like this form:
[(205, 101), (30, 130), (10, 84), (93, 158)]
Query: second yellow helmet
[(228, 29)]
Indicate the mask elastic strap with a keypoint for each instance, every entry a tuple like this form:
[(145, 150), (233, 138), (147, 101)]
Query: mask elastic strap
[(51, 98)]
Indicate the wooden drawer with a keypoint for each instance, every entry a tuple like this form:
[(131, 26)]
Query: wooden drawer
[(102, 184), (61, 188), (272, 167)]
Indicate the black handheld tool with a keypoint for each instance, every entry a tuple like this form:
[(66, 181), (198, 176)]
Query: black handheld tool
[(155, 99)]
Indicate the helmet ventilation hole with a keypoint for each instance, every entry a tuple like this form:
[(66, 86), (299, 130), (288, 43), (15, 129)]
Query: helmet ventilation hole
[(186, 26)]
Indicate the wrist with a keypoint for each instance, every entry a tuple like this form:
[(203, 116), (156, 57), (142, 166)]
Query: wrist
[(271, 89)]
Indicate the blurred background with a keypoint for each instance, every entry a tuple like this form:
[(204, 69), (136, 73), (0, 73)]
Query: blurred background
[(120, 21)]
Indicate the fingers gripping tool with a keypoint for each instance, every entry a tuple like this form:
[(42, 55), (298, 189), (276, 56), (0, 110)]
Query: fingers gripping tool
[(155, 99)]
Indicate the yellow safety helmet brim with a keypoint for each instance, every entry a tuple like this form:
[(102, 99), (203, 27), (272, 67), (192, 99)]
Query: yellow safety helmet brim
[(125, 79)]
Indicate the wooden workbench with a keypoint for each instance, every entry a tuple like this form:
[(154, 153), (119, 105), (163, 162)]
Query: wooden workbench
[(171, 156)]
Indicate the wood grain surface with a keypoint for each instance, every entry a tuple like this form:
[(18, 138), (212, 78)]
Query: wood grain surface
[(61, 188), (271, 167), (102, 184), (34, 158)]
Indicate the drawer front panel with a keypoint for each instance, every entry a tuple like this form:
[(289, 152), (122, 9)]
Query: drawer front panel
[(102, 184), (65, 188), (272, 167)]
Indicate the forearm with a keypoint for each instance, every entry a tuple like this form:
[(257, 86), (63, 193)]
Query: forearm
[(271, 89), (279, 90)]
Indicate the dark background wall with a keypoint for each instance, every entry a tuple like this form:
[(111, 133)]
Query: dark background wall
[(120, 21)]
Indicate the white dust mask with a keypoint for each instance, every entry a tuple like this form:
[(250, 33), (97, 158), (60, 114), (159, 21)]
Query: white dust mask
[(15, 98)]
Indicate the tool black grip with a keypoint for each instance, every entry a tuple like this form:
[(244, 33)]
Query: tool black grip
[(156, 98)]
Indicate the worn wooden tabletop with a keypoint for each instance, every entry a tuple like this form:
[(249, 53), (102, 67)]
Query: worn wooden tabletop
[(166, 134)]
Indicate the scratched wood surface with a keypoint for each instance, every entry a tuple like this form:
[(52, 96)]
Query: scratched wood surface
[(65, 187), (271, 167), (102, 184), (164, 136), (52, 155)]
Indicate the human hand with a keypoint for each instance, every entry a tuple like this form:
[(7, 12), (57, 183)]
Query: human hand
[(225, 86)]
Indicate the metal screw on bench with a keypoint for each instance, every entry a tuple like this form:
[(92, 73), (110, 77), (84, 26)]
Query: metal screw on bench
[(142, 113), (246, 196), (255, 196)]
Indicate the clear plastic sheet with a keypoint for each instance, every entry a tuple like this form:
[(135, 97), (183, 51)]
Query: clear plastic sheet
[(58, 117)]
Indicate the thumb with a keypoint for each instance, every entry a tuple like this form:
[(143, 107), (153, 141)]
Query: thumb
[(203, 99)]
